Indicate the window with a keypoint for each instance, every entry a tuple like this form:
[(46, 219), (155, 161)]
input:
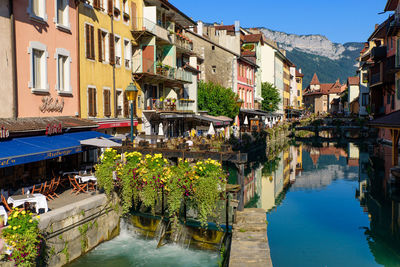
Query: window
[(103, 43), (63, 71), (38, 62), (120, 102), (127, 53), (213, 47), (117, 51), (92, 102), (214, 69), (398, 89), (89, 34), (117, 9), (107, 102), (37, 10), (392, 106), (298, 92), (388, 99), (62, 15), (126, 16)]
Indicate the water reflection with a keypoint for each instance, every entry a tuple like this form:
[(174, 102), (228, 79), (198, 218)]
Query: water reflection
[(308, 192)]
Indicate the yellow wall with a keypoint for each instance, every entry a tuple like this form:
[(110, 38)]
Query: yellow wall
[(99, 74), (300, 88), (286, 81)]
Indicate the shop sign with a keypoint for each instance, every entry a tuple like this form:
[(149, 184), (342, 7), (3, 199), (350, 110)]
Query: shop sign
[(4, 133), (53, 129)]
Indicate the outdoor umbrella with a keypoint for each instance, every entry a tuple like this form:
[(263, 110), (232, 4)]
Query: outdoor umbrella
[(211, 130), (246, 121), (100, 142), (160, 130)]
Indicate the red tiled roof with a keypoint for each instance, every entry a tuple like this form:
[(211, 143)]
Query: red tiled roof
[(325, 88), (225, 27), (253, 38), (353, 80), (315, 79), (298, 74)]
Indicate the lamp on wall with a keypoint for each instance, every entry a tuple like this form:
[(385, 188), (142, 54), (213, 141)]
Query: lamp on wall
[(131, 94)]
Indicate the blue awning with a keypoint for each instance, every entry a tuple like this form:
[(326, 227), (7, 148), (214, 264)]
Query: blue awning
[(30, 149)]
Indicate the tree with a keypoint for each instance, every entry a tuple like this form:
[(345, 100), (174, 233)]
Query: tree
[(271, 97), (217, 100)]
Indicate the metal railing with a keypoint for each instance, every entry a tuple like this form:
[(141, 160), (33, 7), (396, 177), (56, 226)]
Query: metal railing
[(144, 24), (183, 42)]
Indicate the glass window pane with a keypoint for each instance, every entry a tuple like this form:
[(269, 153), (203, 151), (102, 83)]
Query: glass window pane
[(37, 71)]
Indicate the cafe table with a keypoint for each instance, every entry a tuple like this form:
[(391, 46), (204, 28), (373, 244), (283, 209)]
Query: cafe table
[(38, 199)]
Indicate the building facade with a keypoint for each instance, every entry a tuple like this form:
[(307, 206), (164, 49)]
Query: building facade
[(299, 93), (47, 58)]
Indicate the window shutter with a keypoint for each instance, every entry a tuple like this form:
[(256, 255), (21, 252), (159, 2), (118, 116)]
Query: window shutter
[(133, 19), (112, 49), (90, 108), (96, 3), (87, 33), (110, 7), (92, 42), (94, 103), (99, 39), (107, 107), (126, 106)]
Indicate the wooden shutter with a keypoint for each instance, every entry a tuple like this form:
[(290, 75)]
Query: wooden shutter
[(92, 102), (92, 42), (112, 49), (107, 104), (110, 7), (133, 19), (99, 41), (87, 35), (126, 106), (96, 3)]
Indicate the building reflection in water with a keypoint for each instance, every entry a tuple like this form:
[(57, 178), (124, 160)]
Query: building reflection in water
[(380, 198)]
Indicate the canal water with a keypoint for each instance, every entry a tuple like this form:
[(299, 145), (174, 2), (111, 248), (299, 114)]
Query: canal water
[(326, 205), (329, 206)]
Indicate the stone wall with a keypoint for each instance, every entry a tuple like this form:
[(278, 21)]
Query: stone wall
[(75, 229)]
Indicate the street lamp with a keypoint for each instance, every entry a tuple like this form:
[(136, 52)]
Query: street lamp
[(239, 103), (131, 94)]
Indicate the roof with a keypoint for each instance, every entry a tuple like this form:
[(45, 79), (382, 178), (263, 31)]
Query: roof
[(391, 5), (380, 31), (315, 79), (299, 74), (353, 80), (40, 124), (249, 60), (190, 68), (253, 38), (229, 28), (391, 120), (167, 3)]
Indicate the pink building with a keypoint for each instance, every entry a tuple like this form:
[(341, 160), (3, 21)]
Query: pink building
[(246, 82), (46, 58)]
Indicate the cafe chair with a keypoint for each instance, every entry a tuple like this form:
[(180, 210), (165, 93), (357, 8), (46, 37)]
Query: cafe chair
[(47, 190), (5, 204), (53, 190), (77, 187), (37, 188)]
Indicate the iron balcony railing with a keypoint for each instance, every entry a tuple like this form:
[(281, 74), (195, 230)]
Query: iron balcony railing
[(143, 24)]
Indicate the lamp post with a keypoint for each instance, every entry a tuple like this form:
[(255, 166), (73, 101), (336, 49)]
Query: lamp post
[(131, 94), (239, 103)]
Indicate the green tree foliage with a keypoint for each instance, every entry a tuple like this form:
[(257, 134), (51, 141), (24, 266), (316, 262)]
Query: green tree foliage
[(217, 100), (271, 97)]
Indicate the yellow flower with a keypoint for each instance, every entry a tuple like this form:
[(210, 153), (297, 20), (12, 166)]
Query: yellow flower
[(23, 212), (19, 226), (15, 215), (38, 216), (15, 228)]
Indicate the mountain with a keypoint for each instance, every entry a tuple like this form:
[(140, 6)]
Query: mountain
[(317, 54)]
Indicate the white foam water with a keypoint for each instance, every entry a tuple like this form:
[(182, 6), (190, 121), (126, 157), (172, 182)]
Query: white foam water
[(129, 249)]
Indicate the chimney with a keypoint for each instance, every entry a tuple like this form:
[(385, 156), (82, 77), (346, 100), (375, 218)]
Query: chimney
[(237, 27), (200, 28)]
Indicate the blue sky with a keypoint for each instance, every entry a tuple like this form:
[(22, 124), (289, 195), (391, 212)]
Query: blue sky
[(339, 20)]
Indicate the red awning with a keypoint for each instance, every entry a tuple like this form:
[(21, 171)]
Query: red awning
[(116, 124)]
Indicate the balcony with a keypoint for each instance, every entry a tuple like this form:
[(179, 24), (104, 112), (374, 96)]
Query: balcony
[(160, 71), (375, 78), (394, 26), (170, 105), (182, 42), (144, 27), (378, 53)]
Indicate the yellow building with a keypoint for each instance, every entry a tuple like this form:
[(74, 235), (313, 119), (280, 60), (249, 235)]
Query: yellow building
[(286, 85), (106, 48), (299, 82), (299, 165)]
